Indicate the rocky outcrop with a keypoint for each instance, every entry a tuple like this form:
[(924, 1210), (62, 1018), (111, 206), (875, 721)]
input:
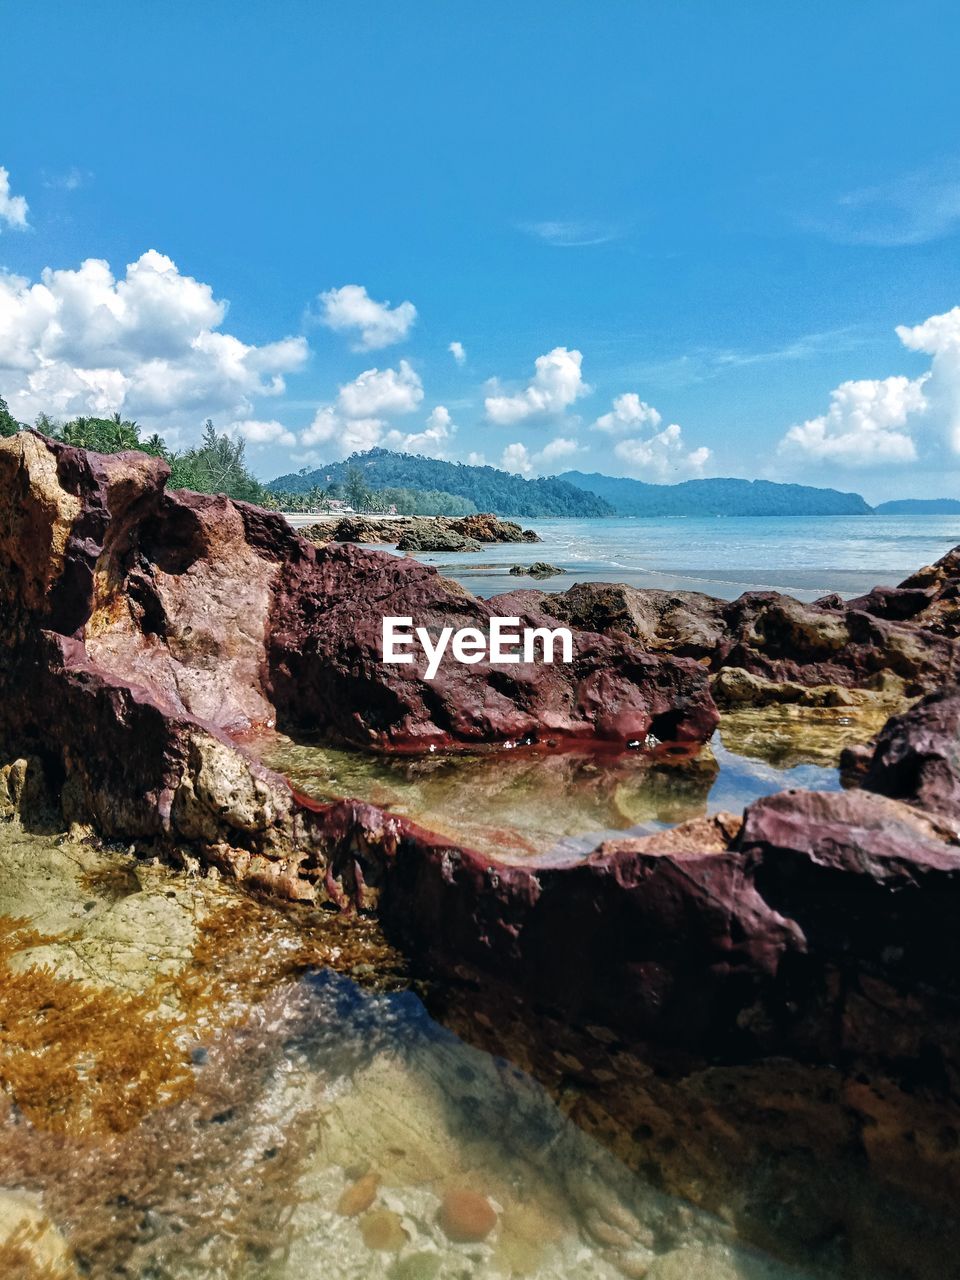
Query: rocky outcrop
[(917, 756), (539, 569), (142, 631), (428, 535), (489, 528), (420, 533), (899, 639)]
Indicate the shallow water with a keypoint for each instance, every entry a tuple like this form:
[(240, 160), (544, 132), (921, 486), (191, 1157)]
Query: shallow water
[(527, 802), (253, 1101), (804, 557)]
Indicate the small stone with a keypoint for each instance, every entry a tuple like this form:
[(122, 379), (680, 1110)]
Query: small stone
[(692, 1264), (382, 1229), (466, 1216), (359, 1196), (418, 1266), (604, 1232), (634, 1264)]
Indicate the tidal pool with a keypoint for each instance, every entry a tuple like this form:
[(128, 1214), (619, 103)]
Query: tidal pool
[(197, 1085), (527, 802)]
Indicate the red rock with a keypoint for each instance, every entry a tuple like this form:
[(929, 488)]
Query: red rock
[(466, 1216), (917, 755)]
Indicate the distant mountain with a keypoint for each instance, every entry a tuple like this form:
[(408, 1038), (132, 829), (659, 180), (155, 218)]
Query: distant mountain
[(488, 488), (920, 507), (717, 497)]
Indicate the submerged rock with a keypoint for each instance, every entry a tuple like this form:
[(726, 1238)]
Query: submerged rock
[(466, 1216), (539, 569)]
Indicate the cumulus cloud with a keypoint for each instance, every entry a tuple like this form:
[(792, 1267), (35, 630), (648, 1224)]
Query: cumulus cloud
[(517, 457), (381, 391), (647, 451), (359, 419), (864, 425), (475, 459), (432, 441), (939, 337), (661, 455), (256, 432), (458, 351), (13, 209), (557, 382), (376, 324), (340, 435), (629, 413), (149, 344), (895, 420)]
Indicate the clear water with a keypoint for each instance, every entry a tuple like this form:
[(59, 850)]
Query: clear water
[(185, 1098), (515, 804), (723, 556)]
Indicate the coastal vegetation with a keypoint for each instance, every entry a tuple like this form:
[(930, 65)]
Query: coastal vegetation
[(717, 497), (485, 487)]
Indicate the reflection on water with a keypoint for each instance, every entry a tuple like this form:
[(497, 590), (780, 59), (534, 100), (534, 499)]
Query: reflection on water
[(527, 802)]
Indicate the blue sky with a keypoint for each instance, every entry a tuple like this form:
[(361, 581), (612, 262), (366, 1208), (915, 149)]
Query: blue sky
[(706, 222)]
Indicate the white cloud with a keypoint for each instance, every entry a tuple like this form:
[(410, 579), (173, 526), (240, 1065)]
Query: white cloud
[(661, 455), (940, 337), (572, 235), (256, 432), (341, 436), (381, 391), (556, 384), (432, 441), (517, 457), (628, 414), (351, 308), (866, 424), (458, 351), (149, 345), (561, 447), (649, 453), (475, 459), (13, 209)]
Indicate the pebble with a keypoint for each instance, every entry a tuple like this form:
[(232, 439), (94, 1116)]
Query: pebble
[(359, 1196), (635, 1264), (466, 1216), (382, 1229), (418, 1266), (604, 1232)]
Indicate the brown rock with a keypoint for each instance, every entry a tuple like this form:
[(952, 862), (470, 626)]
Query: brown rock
[(466, 1216), (358, 1196), (917, 756), (383, 1230)]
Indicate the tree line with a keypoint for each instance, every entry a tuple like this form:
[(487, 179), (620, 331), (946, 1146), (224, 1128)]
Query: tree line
[(218, 465)]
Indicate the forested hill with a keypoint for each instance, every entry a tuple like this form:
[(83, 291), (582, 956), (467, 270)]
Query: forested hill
[(919, 507), (488, 488), (717, 497)]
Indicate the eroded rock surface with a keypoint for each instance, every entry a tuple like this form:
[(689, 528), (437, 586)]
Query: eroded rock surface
[(902, 639)]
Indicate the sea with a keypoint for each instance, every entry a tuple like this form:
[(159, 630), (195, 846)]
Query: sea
[(724, 556)]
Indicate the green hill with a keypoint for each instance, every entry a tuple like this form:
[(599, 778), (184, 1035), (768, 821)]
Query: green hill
[(717, 497), (486, 487), (919, 507)]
